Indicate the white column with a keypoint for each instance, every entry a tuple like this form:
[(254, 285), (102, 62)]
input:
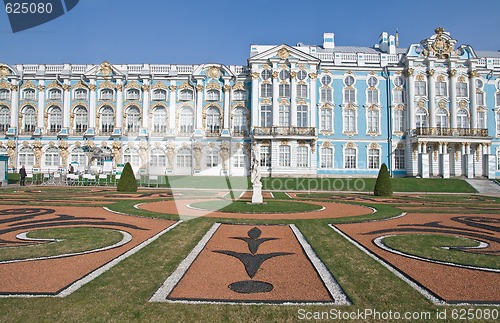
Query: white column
[(432, 97), (41, 104), (199, 106), (411, 100), (472, 99), (66, 103), (275, 99), (227, 107), (119, 105), (255, 100), (93, 105), (145, 104), (453, 99), (293, 99), (15, 105), (314, 110), (172, 108)]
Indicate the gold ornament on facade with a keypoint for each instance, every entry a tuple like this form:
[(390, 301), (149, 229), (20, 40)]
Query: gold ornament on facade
[(214, 72), (78, 144), (213, 86), (440, 46), (119, 87), (409, 72), (160, 85), (435, 155), (421, 103), (301, 102), (327, 144), (254, 75), (474, 73), (302, 142), (284, 142), (312, 144), (133, 84), (11, 151), (420, 77), (293, 75), (54, 85), (275, 74), (90, 143), (172, 88), (80, 85), (463, 104), (462, 79), (5, 85), (92, 87), (146, 88), (199, 87), (41, 88), (350, 144), (4, 71), (430, 72), (284, 102), (106, 85), (198, 153), (239, 86), (283, 53), (452, 73), (400, 107), (170, 153), (66, 87), (440, 78), (415, 154), (265, 101), (313, 76), (105, 68), (374, 145), (52, 144), (28, 85), (227, 88), (442, 104)]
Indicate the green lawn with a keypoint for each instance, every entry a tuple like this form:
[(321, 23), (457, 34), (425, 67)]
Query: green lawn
[(270, 206)]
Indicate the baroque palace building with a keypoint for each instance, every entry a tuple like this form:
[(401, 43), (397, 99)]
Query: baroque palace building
[(432, 109)]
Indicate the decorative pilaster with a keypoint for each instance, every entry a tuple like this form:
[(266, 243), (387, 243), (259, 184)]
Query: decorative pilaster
[(66, 104), (275, 99), (172, 109), (15, 106), (293, 99), (199, 107), (93, 104), (119, 104), (473, 75), (41, 104), (432, 97), (411, 99), (255, 100), (313, 102), (227, 107), (145, 105), (453, 98)]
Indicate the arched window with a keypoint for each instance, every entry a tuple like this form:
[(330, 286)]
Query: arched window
[(302, 156), (213, 95), (421, 115), (302, 116), (133, 119), (212, 121), (4, 94), (284, 156), (131, 155), (441, 118), (186, 95), (212, 158), (326, 158), (4, 118), (81, 119), (133, 94), (239, 95), (107, 94), (55, 120), (184, 158), (326, 122), (78, 156), (186, 122), (29, 94), (240, 122), (55, 94), (159, 94), (157, 158), (462, 119), (107, 120), (266, 116), (373, 158), (80, 94), (26, 156), (160, 120), (52, 157), (29, 119)]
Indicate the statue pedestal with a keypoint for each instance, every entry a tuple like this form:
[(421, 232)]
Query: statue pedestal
[(257, 194)]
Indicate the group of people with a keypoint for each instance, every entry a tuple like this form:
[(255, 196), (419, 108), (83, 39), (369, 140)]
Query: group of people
[(23, 174)]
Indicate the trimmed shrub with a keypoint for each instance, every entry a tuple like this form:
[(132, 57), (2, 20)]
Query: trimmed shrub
[(127, 182), (383, 185)]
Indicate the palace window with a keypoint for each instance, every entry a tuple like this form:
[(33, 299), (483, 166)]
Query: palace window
[(398, 96), (107, 120), (326, 122), (213, 120), (462, 119), (133, 119), (399, 120), (284, 156), (326, 158), (373, 158), (326, 94), (78, 156), (399, 159), (55, 119), (133, 94), (302, 113), (302, 156), (302, 91), (497, 115), (186, 122), (398, 81), (372, 81), (326, 80), (81, 119), (55, 94), (284, 90), (349, 80), (266, 90), (239, 95), (239, 159), (265, 74), (284, 75), (497, 99), (26, 156), (349, 95), (107, 94), (4, 118), (186, 95), (266, 116), (159, 94), (160, 120), (80, 94), (462, 89), (284, 115), (29, 119), (131, 155), (421, 115), (371, 96), (240, 121), (481, 119), (498, 160), (479, 98), (301, 75), (349, 120), (52, 157), (350, 158), (420, 88), (441, 118), (184, 158), (4, 94), (212, 158), (265, 156), (213, 95), (157, 158), (441, 89), (29, 94), (373, 119)]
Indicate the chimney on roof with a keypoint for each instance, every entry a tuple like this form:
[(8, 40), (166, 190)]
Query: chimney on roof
[(392, 45), (383, 42), (328, 40)]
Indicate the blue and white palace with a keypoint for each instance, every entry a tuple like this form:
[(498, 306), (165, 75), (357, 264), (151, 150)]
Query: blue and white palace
[(430, 110)]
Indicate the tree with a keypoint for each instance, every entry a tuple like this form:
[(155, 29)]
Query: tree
[(127, 182), (383, 185)]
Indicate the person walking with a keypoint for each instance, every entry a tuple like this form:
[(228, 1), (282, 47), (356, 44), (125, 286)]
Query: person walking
[(22, 173)]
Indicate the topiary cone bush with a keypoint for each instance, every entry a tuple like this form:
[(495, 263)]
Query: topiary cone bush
[(127, 182), (383, 185)]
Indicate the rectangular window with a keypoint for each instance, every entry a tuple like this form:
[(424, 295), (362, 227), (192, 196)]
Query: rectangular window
[(284, 90), (398, 120), (399, 159), (326, 158), (302, 116), (326, 119), (265, 116), (373, 121), (420, 88), (373, 159), (349, 120), (302, 91), (284, 116), (479, 98), (398, 97), (498, 160), (284, 156), (326, 94), (441, 88), (497, 99), (349, 95), (498, 122), (481, 120), (302, 157), (462, 89), (239, 160), (372, 96), (265, 156), (350, 158), (266, 90)]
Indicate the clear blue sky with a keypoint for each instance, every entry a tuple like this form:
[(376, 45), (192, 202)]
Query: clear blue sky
[(221, 31)]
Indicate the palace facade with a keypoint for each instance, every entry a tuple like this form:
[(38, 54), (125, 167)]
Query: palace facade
[(432, 109)]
